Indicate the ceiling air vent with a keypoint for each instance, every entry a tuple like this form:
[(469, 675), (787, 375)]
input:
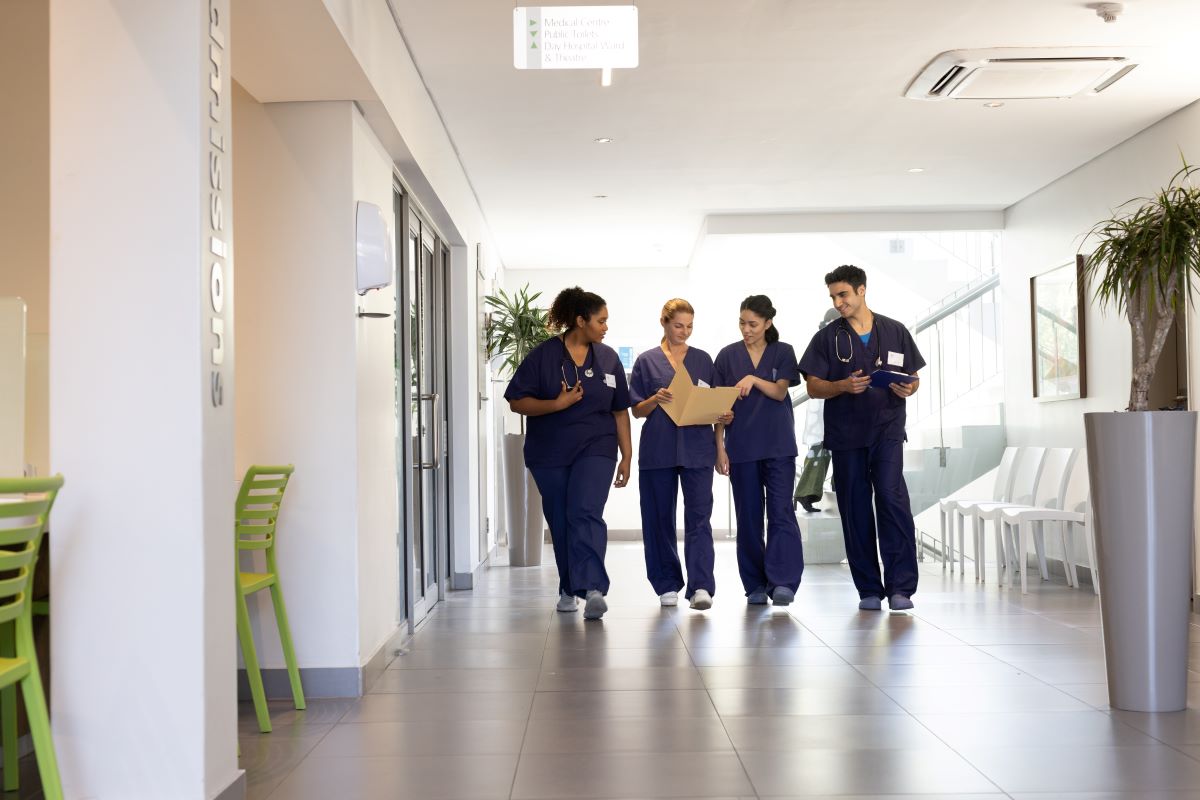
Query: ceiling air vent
[(1022, 73)]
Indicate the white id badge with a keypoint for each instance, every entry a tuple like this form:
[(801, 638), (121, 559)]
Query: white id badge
[(895, 359), (702, 385), (774, 374), (610, 381)]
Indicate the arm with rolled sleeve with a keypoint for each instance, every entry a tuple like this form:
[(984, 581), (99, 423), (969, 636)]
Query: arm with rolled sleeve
[(620, 409)]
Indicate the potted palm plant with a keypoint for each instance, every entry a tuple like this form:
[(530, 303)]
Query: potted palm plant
[(1141, 463), (514, 327)]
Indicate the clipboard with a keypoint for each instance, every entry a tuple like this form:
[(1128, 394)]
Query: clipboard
[(883, 378), (696, 405)]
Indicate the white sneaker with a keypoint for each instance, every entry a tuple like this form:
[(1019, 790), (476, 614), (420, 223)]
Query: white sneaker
[(595, 606), (669, 598), (566, 602), (701, 600)]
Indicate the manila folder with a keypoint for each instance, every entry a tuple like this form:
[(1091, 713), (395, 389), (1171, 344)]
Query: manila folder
[(697, 405)]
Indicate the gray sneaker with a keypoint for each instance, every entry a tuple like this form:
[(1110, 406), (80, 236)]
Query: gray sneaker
[(595, 606), (757, 598), (899, 602), (782, 596), (566, 602), (870, 604)]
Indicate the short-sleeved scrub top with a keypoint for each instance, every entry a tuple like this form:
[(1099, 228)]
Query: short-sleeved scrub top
[(854, 421), (664, 444), (586, 428), (762, 428)]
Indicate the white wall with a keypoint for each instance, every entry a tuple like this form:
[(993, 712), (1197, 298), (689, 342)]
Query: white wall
[(379, 556), (144, 704), (25, 204), (297, 371), (407, 123), (1044, 231)]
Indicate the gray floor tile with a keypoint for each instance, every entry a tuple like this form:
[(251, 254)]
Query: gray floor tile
[(983, 699), (805, 773), (466, 777), (1084, 769), (616, 658), (942, 654), (871, 732), (946, 675), (468, 659), (629, 775), (427, 737), (456, 680), (615, 735), (597, 706), (802, 702), (576, 679), (966, 732), (462, 706), (782, 677), (763, 656)]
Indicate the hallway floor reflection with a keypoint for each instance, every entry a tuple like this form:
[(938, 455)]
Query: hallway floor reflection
[(980, 692)]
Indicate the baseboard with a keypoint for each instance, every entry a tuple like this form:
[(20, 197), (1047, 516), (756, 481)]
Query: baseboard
[(635, 534), (377, 664), (317, 682), (235, 790)]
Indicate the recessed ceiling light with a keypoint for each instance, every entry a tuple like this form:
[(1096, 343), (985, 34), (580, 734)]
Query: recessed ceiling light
[(600, 196), (915, 170), (602, 140), (994, 104)]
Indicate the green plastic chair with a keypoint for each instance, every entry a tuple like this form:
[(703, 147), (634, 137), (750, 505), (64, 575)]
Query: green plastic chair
[(256, 514), (24, 511)]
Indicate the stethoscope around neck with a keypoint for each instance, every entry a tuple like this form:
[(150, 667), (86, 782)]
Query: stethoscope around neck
[(837, 349)]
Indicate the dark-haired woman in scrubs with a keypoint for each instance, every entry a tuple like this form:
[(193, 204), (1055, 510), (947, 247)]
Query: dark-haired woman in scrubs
[(758, 454), (572, 388), (671, 458)]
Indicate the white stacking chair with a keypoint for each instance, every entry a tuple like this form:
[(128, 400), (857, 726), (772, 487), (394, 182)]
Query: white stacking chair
[(1072, 512), (1026, 470), (1047, 493), (1001, 492)]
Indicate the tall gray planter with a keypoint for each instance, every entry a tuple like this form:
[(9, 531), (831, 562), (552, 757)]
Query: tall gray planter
[(524, 506), (1142, 471)]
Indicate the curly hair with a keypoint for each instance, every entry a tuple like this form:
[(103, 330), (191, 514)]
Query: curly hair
[(572, 303)]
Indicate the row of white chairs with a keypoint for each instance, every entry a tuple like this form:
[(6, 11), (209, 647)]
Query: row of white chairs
[(1034, 486)]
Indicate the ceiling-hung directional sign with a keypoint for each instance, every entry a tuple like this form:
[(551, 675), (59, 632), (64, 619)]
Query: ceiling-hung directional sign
[(575, 37)]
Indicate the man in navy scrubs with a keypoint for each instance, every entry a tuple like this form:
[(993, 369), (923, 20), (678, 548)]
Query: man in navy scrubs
[(864, 430)]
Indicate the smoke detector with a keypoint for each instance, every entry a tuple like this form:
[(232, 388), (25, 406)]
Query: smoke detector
[(1022, 73), (1107, 11)]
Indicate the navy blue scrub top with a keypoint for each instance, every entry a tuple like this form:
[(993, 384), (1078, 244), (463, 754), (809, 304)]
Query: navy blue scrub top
[(663, 443), (762, 428), (586, 428), (853, 421)]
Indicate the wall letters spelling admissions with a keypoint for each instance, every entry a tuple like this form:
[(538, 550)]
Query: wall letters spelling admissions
[(575, 37), (215, 224)]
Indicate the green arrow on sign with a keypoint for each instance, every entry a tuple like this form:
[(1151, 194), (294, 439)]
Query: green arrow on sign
[(533, 46)]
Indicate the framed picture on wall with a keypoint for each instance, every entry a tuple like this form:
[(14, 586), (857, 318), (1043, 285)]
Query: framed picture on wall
[(1057, 300)]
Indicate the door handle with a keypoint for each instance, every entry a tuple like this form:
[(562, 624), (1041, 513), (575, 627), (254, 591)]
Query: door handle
[(437, 432)]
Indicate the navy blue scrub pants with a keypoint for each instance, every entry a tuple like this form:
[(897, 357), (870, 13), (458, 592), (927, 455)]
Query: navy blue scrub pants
[(659, 490), (573, 499), (780, 562), (856, 473)]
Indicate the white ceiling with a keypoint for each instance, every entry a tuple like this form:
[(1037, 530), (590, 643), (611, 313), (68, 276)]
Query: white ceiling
[(768, 106)]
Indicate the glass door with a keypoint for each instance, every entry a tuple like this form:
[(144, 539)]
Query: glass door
[(422, 363)]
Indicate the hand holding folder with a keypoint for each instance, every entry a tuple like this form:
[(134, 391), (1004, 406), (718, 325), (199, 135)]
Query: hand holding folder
[(882, 378), (697, 405)]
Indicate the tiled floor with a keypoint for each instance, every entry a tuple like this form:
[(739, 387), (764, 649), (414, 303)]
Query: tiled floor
[(978, 693)]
